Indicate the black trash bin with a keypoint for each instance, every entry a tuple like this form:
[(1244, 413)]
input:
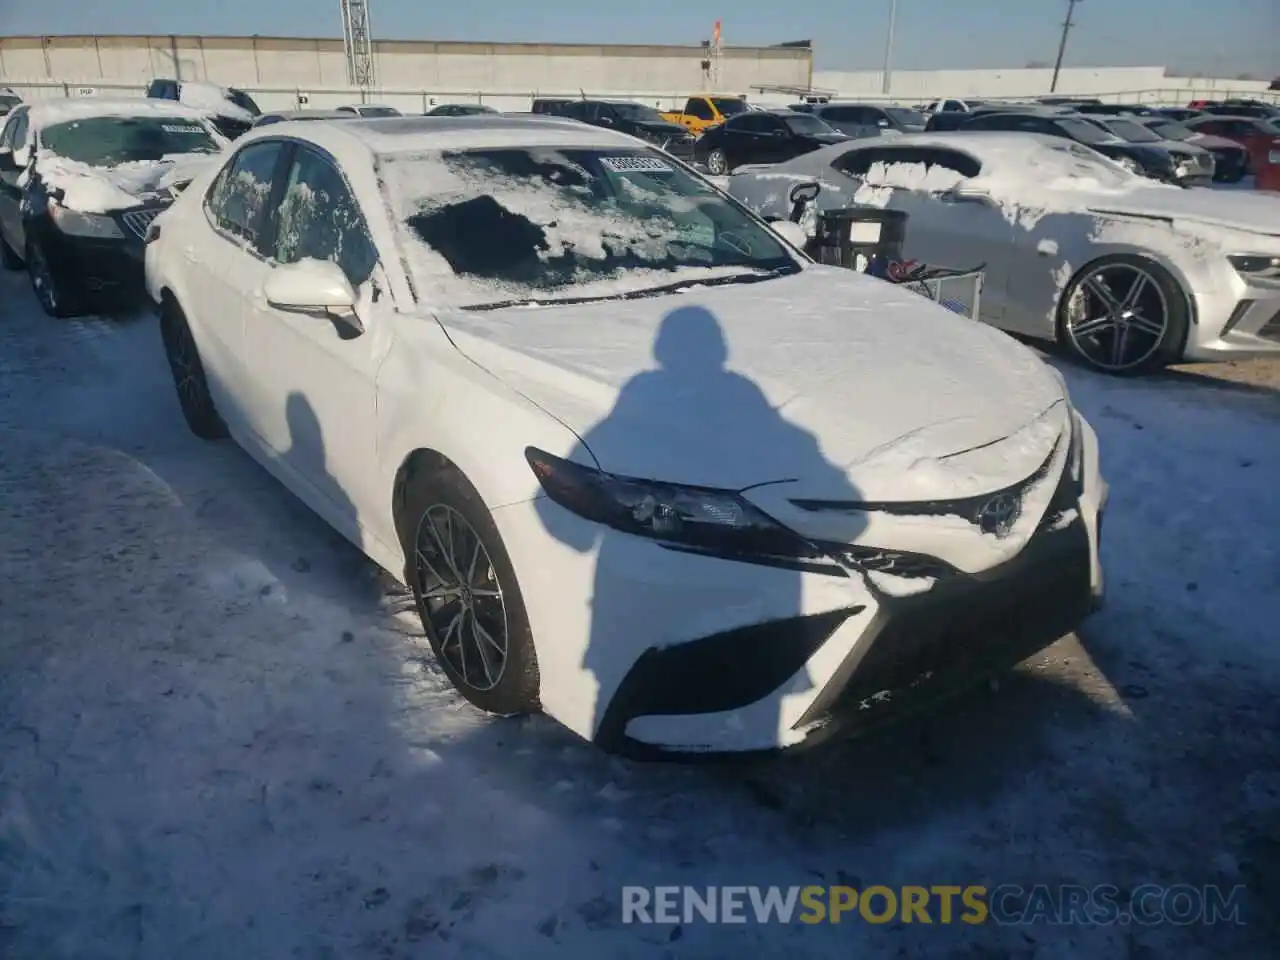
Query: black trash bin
[(872, 233)]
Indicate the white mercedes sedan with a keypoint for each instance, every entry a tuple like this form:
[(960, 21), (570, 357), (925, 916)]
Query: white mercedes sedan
[(1126, 273), (644, 465)]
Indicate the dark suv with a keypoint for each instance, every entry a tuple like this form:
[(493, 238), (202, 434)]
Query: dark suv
[(631, 118), (228, 125)]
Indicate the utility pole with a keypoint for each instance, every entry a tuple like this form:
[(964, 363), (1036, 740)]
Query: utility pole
[(888, 48), (1062, 44)]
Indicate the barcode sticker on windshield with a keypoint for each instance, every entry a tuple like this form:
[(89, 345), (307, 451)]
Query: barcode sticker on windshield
[(636, 165), (181, 128)]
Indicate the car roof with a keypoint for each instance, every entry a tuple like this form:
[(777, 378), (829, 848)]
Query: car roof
[(400, 135), (46, 112), (986, 144), (307, 115), (1222, 116)]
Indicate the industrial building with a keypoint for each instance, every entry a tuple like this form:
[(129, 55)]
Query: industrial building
[(284, 72)]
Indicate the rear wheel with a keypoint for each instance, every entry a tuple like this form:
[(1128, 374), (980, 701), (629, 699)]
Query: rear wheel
[(466, 593), (717, 162), (189, 376), (1124, 315)]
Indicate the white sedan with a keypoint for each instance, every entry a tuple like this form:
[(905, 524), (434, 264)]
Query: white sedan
[(644, 466), (1126, 273)]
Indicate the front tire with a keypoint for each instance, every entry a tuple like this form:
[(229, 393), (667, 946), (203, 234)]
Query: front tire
[(8, 259), (188, 375), (466, 593), (718, 162), (49, 285), (1124, 315)]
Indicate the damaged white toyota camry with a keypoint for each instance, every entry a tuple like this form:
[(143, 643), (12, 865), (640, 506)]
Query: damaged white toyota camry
[(645, 467)]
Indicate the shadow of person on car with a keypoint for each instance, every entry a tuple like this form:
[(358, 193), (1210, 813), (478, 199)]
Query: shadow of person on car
[(307, 456), (704, 653)]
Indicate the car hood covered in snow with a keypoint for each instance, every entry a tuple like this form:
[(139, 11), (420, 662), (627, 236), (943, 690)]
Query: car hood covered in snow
[(748, 383), (1236, 210), (103, 189)]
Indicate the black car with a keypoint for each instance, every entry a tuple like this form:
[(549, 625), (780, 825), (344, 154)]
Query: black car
[(8, 100), (230, 123), (762, 136), (549, 104), (945, 120), (460, 110), (1178, 114), (857, 119), (1193, 164), (1145, 159), (1113, 109), (631, 118), (1230, 160), (80, 233)]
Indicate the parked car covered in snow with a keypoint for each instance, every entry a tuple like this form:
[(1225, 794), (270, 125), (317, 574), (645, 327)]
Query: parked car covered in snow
[(288, 116), (644, 465), (81, 180), (230, 110), (1125, 273)]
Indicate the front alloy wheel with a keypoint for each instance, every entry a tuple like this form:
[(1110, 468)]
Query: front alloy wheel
[(461, 598), (717, 162), (1124, 316), (46, 284)]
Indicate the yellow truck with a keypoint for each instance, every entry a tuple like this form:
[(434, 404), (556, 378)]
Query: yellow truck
[(706, 110)]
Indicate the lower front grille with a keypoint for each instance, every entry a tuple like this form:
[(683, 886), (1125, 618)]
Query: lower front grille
[(1271, 329)]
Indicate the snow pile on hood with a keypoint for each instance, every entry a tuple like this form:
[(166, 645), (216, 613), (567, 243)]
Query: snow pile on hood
[(92, 189), (213, 99)]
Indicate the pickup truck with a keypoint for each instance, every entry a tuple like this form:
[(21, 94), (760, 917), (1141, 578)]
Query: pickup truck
[(706, 110)]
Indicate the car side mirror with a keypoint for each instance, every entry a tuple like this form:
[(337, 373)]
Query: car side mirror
[(317, 287)]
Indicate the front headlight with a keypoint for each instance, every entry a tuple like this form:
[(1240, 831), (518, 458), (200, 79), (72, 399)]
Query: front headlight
[(77, 224), (1260, 266), (700, 519)]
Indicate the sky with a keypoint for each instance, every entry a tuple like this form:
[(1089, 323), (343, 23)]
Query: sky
[(1221, 37)]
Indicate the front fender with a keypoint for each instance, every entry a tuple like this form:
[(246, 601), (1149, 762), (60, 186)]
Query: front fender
[(432, 397)]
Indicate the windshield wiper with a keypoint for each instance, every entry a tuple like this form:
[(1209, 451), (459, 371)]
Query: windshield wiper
[(641, 294)]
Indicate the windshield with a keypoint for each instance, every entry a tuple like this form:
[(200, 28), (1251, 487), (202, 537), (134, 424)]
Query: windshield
[(638, 112), (243, 101), (806, 124), (1083, 130), (489, 226), (730, 106), (107, 141), (908, 118), (1171, 131), (1133, 132), (1074, 161)]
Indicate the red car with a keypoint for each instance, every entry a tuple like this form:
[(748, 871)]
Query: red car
[(1260, 137)]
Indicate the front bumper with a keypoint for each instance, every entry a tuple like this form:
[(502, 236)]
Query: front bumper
[(96, 268), (653, 654), (1238, 323)]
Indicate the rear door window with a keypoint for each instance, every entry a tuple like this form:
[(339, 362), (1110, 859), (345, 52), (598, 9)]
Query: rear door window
[(237, 201)]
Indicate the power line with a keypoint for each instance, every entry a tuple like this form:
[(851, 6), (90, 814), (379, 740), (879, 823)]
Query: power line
[(1062, 44)]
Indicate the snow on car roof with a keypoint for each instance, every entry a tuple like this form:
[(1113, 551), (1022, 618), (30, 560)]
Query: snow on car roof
[(47, 112), (398, 135)]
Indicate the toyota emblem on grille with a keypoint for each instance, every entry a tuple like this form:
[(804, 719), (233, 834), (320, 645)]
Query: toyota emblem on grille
[(999, 514)]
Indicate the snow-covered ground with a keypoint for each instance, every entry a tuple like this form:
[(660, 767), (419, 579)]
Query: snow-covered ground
[(221, 735)]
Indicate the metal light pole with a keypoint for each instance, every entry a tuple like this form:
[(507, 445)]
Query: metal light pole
[(1062, 44), (888, 47)]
